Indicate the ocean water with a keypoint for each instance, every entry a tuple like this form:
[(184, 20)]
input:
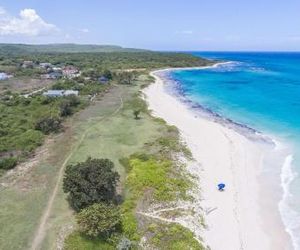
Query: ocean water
[(262, 91)]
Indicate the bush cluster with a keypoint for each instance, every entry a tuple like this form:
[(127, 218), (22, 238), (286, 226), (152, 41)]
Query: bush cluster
[(24, 122), (48, 125), (8, 163), (91, 188)]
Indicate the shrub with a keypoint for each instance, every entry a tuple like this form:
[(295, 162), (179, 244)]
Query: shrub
[(65, 108), (108, 74), (73, 100), (8, 163), (48, 125), (90, 182), (99, 220), (44, 100), (124, 244), (67, 104)]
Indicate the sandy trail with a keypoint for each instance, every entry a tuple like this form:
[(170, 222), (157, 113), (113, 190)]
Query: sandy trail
[(234, 217)]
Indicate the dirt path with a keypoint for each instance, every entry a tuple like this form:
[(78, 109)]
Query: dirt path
[(186, 221), (41, 231), (34, 92)]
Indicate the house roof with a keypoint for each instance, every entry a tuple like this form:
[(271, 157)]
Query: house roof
[(71, 92), (3, 76), (61, 92), (54, 92), (55, 73), (103, 79)]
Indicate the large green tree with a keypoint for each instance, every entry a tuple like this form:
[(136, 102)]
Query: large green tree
[(99, 220), (90, 182)]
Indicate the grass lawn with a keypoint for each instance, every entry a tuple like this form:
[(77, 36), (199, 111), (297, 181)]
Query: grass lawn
[(110, 132)]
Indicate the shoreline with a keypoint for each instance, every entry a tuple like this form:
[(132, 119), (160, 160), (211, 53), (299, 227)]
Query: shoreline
[(236, 218), (243, 129)]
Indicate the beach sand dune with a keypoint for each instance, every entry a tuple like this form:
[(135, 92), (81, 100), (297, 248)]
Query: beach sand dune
[(235, 218)]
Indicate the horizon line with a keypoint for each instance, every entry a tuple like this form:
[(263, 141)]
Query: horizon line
[(157, 50)]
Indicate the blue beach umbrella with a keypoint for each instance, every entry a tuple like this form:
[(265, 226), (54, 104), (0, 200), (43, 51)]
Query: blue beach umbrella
[(221, 186)]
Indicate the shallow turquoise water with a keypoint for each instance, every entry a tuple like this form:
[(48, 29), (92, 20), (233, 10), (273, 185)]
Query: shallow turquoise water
[(261, 90)]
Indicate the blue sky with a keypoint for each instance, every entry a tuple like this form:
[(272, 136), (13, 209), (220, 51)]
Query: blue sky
[(155, 24)]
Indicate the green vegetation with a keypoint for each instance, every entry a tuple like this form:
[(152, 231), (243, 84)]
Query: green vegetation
[(8, 163), (99, 62), (24, 122), (77, 241), (157, 175), (90, 182), (85, 87), (173, 237), (66, 107), (99, 220), (48, 125), (38, 115), (23, 202), (106, 129), (61, 48), (126, 78), (136, 114), (153, 172)]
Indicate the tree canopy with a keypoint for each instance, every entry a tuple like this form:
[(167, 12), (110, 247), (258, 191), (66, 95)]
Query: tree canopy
[(90, 182), (99, 220)]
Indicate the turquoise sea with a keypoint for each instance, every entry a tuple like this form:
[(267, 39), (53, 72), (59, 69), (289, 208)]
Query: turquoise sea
[(262, 91)]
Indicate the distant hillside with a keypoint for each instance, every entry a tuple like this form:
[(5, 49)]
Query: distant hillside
[(61, 48)]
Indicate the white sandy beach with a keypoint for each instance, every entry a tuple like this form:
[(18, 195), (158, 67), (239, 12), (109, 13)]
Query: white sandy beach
[(235, 218)]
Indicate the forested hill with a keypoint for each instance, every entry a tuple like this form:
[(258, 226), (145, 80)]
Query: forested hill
[(6, 48), (96, 56)]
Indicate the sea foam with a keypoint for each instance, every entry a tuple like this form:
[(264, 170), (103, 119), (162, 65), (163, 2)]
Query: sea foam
[(290, 217)]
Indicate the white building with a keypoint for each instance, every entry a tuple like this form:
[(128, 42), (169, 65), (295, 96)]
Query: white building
[(60, 93), (4, 76)]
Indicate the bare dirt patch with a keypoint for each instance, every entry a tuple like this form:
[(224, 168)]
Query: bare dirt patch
[(25, 85)]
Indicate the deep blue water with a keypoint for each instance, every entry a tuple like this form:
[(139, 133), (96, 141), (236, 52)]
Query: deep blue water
[(261, 90)]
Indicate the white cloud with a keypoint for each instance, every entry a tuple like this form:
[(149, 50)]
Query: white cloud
[(28, 23)]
